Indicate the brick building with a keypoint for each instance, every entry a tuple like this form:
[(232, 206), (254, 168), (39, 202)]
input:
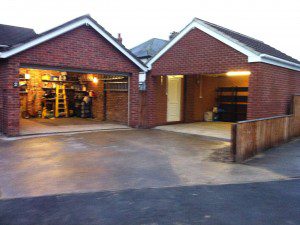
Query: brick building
[(204, 72), (80, 49), (208, 68)]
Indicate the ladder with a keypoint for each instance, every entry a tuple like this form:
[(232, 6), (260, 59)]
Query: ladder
[(61, 106)]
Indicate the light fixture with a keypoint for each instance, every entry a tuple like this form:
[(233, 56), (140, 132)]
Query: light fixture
[(238, 73), (27, 76), (95, 80)]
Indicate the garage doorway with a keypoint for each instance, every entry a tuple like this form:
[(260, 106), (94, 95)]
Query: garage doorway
[(57, 100)]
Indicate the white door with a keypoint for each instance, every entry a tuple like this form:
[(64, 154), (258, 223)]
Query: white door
[(174, 98)]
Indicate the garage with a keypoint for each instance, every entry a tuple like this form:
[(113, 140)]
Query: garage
[(68, 98), (74, 77), (206, 77), (205, 105)]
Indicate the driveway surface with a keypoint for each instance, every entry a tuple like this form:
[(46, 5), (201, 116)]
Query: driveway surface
[(64, 125), (234, 204), (144, 177), (221, 130)]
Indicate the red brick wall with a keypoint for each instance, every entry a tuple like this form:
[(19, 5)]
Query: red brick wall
[(82, 48), (270, 87), (1, 95), (10, 99), (117, 106), (199, 53), (196, 53), (271, 90)]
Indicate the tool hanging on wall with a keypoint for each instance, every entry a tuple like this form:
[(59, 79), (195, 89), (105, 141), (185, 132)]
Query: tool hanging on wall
[(61, 106)]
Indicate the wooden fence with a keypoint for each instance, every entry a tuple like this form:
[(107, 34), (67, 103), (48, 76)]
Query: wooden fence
[(253, 136)]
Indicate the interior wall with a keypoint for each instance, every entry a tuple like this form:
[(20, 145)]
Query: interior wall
[(117, 106), (200, 93), (33, 99), (116, 101)]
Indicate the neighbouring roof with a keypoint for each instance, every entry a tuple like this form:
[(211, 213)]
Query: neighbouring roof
[(12, 35), (255, 44), (149, 48), (257, 51), (87, 20)]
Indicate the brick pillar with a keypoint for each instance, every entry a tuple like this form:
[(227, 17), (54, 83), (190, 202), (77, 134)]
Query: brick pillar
[(156, 101), (151, 102), (11, 100), (134, 100), (253, 97), (1, 96)]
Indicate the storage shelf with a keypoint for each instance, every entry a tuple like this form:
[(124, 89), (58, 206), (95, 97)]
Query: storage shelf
[(60, 81), (232, 103)]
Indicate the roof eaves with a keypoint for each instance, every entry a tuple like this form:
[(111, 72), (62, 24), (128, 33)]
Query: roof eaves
[(227, 37), (253, 55), (260, 57), (70, 25)]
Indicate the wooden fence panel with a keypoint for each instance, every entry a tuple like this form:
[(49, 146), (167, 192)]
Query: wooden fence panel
[(253, 136)]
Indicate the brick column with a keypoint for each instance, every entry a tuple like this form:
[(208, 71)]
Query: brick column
[(11, 99), (134, 101)]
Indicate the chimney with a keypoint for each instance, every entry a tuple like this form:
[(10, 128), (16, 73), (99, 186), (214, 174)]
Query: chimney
[(119, 38), (172, 35)]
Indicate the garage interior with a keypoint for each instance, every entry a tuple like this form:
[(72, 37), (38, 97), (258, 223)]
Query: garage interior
[(212, 103), (67, 100), (219, 97)]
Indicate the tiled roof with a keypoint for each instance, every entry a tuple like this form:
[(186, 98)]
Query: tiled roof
[(252, 43), (12, 35), (33, 36), (149, 48)]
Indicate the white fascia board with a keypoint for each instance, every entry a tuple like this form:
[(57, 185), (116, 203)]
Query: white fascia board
[(66, 29), (210, 31), (279, 62), (253, 56)]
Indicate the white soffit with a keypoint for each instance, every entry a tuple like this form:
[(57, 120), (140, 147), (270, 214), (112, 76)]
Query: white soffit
[(84, 21), (253, 56)]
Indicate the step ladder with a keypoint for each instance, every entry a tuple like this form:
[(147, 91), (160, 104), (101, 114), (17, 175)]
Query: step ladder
[(61, 105)]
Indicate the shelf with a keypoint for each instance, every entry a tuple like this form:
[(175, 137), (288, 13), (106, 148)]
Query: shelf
[(232, 89), (46, 88), (80, 91), (60, 81)]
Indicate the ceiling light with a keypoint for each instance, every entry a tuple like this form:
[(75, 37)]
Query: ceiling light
[(27, 76), (95, 80), (238, 73)]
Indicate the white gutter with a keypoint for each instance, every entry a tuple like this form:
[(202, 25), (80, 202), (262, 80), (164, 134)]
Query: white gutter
[(279, 62)]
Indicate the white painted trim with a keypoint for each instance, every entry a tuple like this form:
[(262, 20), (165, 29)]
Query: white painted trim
[(279, 62), (68, 28), (210, 31), (253, 56)]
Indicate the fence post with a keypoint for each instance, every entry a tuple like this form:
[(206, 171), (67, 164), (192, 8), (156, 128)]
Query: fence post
[(233, 141)]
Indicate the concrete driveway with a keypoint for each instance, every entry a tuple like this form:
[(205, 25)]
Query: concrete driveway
[(131, 159), (144, 177)]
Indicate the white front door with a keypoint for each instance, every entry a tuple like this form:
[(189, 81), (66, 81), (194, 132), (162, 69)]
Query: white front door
[(174, 98)]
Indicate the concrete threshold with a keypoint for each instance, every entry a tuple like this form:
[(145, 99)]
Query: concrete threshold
[(24, 136)]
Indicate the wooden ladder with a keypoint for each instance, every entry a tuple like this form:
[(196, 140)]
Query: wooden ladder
[(61, 106)]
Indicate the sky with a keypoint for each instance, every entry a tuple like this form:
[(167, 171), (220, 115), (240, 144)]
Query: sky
[(275, 22)]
